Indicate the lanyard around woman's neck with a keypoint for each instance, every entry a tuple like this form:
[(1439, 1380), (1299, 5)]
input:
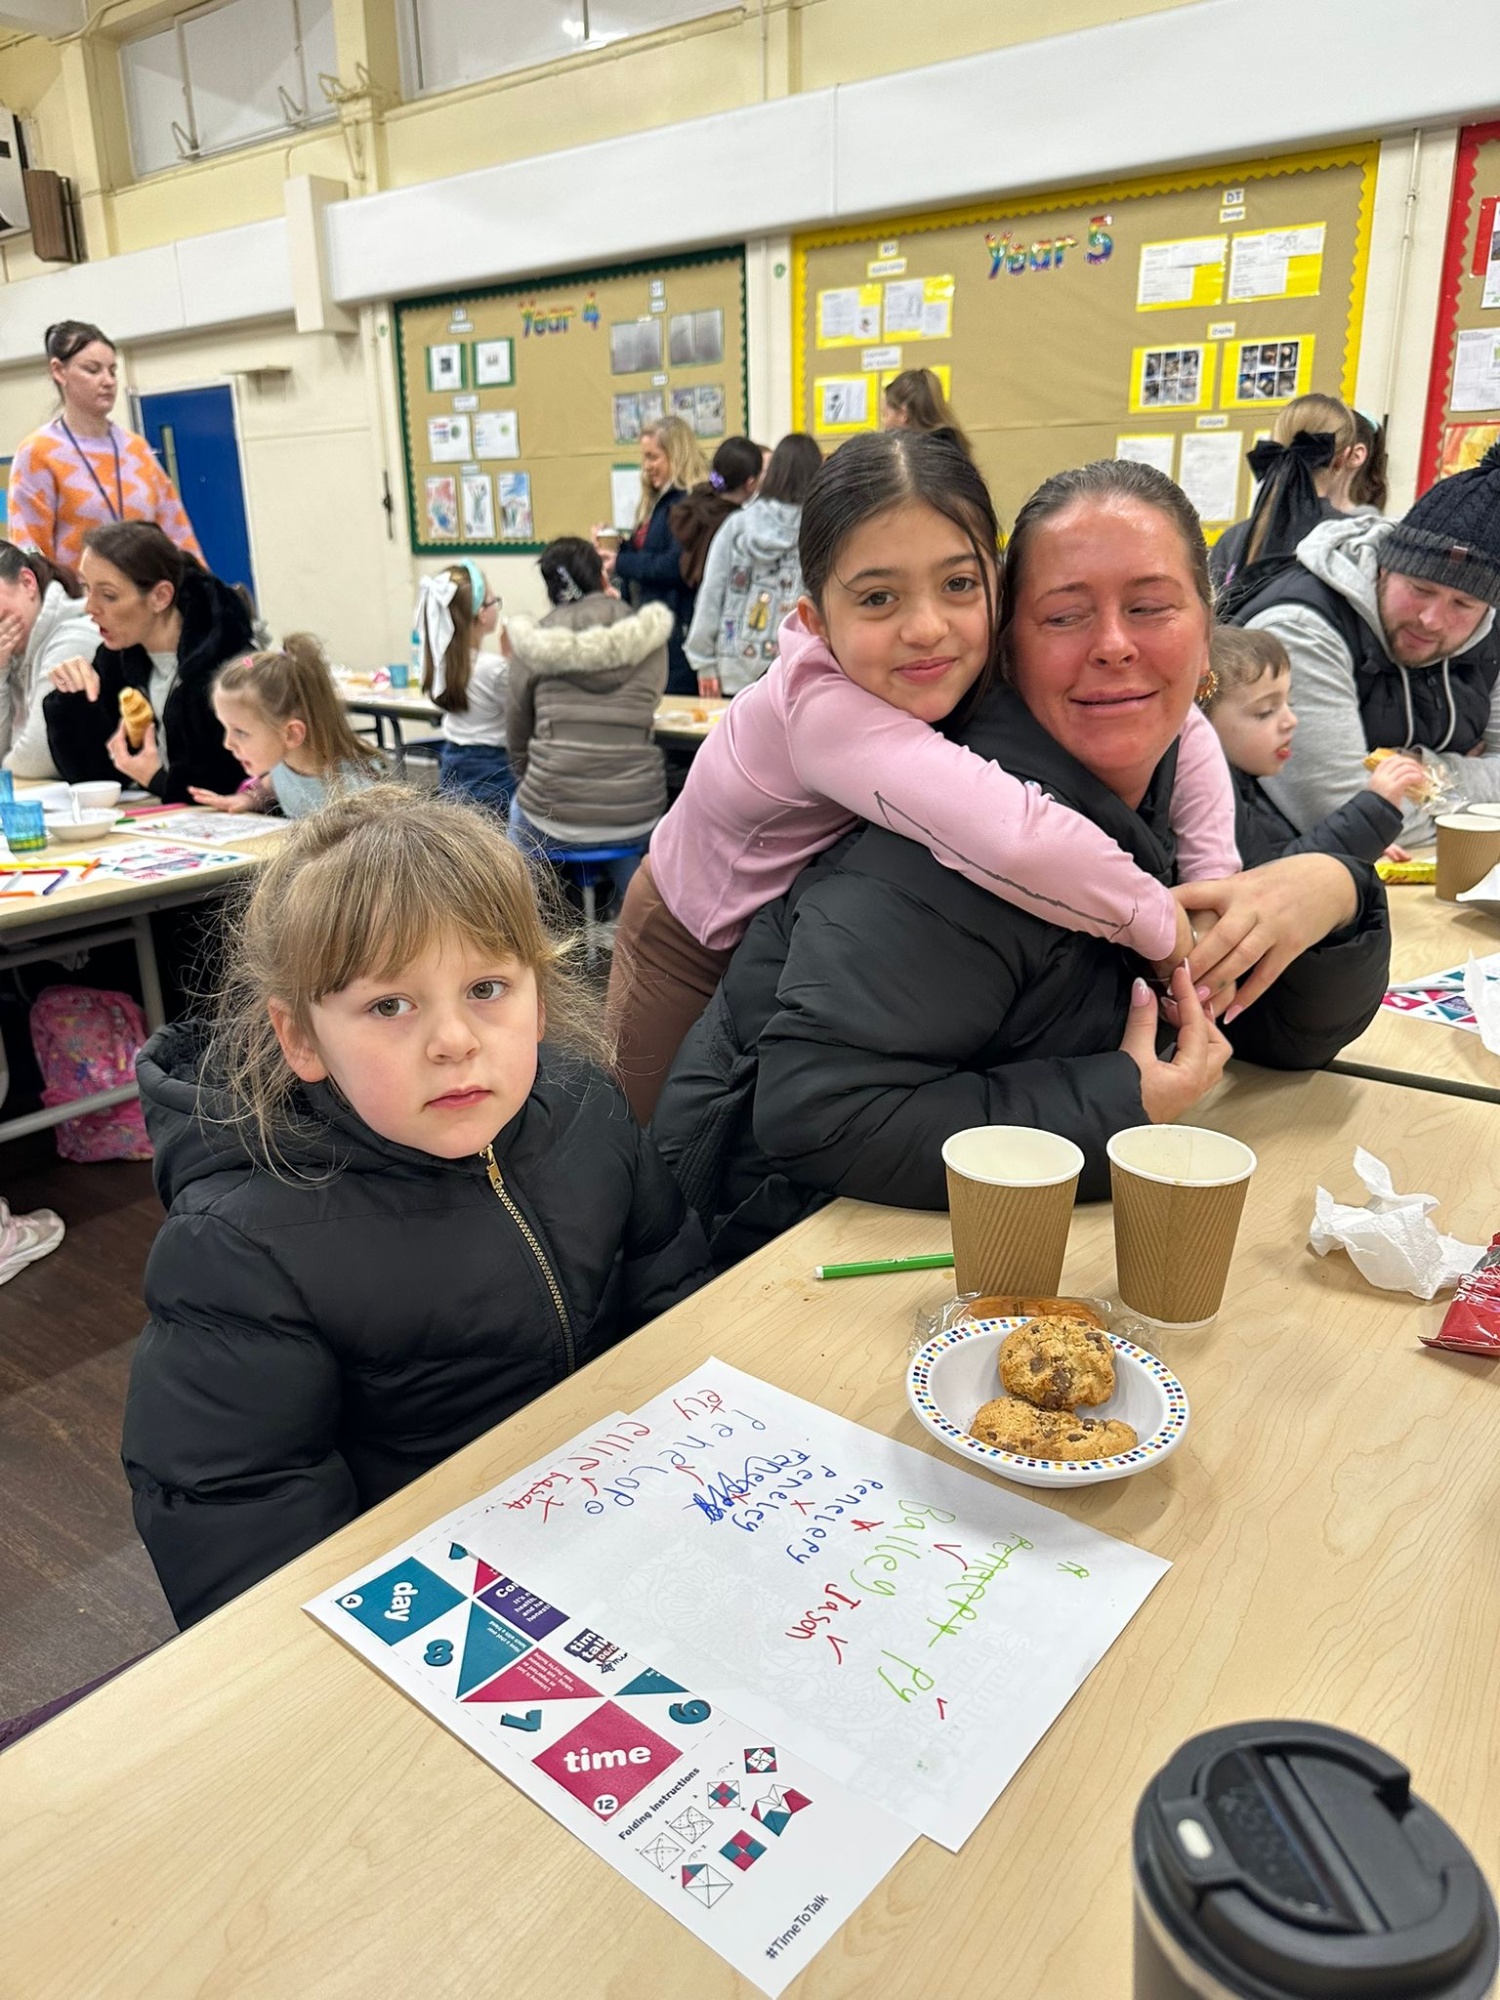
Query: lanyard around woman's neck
[(117, 512)]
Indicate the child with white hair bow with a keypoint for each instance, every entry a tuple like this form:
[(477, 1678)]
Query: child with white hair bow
[(456, 612)]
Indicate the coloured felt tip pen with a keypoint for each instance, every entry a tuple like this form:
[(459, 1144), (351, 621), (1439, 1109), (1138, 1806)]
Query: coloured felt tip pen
[(882, 1266)]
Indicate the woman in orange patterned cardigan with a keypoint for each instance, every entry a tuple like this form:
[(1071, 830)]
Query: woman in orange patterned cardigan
[(81, 471)]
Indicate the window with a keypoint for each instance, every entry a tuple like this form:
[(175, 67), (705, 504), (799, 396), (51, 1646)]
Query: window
[(226, 76), (448, 42)]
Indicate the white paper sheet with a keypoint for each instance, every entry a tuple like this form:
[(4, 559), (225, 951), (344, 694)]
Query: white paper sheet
[(909, 1628), (904, 301), (1490, 297), (448, 439), (624, 496), (1148, 450), (728, 1830), (1260, 260), (497, 434), (843, 401), (1208, 472), (1167, 273), (213, 829), (842, 317), (479, 507), (1476, 370)]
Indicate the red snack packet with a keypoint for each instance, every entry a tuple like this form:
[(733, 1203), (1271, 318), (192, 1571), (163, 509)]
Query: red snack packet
[(1471, 1324)]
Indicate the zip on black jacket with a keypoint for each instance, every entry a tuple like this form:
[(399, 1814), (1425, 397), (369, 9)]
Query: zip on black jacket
[(887, 1002), (317, 1341), (1363, 827), (216, 627)]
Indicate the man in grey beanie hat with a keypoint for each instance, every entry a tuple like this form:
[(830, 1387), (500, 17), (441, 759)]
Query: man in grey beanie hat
[(1390, 629)]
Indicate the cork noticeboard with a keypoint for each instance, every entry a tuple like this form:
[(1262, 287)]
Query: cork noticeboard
[(1463, 396), (1164, 319), (522, 404)]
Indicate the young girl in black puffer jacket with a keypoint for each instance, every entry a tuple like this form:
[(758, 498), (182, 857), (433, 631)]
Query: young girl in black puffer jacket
[(396, 1212)]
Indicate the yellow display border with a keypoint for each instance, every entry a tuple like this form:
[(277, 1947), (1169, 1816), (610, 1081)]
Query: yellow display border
[(1364, 156)]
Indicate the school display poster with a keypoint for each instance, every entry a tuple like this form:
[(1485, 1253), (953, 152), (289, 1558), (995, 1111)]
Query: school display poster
[(516, 400)]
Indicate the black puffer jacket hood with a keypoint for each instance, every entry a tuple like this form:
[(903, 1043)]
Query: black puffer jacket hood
[(317, 1339)]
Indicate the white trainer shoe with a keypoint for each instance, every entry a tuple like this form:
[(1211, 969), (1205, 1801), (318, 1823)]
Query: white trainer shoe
[(24, 1238)]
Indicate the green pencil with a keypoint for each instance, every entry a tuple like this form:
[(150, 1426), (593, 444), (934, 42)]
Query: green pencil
[(940, 1261)]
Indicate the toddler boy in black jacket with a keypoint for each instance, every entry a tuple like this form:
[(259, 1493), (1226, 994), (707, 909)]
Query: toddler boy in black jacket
[(1248, 701)]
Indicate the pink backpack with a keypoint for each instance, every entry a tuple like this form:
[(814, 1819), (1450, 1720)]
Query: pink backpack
[(86, 1041)]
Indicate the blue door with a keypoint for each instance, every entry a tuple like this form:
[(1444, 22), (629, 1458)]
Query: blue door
[(192, 433)]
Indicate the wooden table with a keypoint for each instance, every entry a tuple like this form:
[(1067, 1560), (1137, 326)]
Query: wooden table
[(1429, 936), (254, 1812), (82, 916), (679, 718)]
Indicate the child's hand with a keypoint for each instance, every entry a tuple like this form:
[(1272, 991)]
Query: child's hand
[(1267, 917), (708, 686), (1395, 853), (1398, 778), (1182, 944), (224, 802), (1170, 1087)]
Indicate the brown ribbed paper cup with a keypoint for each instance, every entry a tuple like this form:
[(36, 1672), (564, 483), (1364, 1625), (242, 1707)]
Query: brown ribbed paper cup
[(1468, 846), (1010, 1200), (1178, 1193)]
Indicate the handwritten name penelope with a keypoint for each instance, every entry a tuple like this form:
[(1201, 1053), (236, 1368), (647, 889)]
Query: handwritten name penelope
[(965, 1593)]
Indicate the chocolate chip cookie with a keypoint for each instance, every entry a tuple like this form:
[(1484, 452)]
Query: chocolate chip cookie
[(1058, 1362)]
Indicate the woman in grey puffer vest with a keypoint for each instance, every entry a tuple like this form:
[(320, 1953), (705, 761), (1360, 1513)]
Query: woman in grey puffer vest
[(752, 578), (584, 684)]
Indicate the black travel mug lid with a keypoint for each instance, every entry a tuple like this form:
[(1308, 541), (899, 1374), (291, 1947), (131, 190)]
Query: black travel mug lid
[(1292, 1859)]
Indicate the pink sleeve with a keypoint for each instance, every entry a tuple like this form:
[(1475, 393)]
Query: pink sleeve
[(1203, 804), (1009, 838)]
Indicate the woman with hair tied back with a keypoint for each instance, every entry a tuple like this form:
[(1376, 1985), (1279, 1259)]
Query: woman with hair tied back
[(584, 684), (166, 627), (43, 621), (914, 401), (81, 471), (1317, 454), (648, 568), (752, 579)]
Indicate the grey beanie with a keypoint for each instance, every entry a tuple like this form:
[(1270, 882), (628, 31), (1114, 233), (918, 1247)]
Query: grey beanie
[(1451, 535)]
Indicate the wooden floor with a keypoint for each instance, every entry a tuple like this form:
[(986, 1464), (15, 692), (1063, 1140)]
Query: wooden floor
[(79, 1593)]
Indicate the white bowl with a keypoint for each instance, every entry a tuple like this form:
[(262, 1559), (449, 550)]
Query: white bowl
[(956, 1372), (98, 794), (52, 798), (87, 826)]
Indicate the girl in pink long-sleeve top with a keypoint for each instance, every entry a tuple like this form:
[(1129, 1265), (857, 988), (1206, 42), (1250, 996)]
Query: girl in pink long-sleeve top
[(822, 742)]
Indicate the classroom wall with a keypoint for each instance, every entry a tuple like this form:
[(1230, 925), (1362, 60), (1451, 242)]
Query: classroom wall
[(328, 426)]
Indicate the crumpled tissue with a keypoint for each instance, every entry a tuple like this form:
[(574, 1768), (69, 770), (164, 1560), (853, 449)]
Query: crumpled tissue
[(1391, 1239), (1482, 991)]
